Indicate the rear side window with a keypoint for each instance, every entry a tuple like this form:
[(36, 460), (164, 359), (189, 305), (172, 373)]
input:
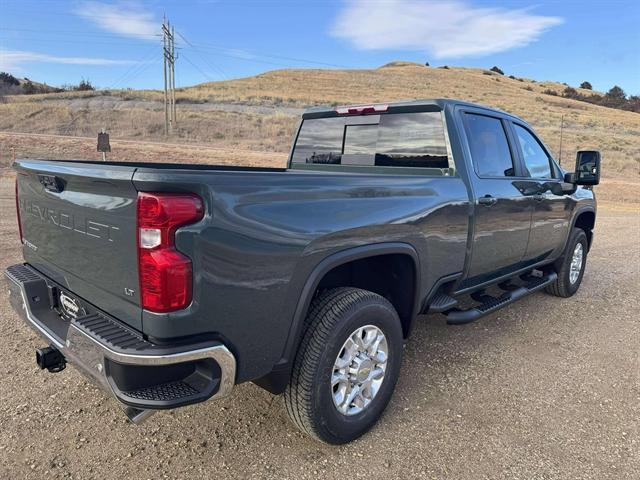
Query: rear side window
[(535, 158), (490, 151), (388, 140)]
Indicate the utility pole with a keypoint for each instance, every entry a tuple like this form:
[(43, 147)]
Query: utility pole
[(173, 75), (168, 49), (164, 53), (561, 129)]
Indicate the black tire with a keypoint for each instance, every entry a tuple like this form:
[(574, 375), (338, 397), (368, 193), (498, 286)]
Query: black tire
[(563, 287), (333, 316)]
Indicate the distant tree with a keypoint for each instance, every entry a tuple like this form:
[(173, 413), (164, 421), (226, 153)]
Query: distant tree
[(426, 64), (497, 70), (586, 86), (512, 77), (444, 67), (28, 88), (571, 92), (84, 85), (634, 103), (614, 98), (616, 93), (548, 91), (8, 79)]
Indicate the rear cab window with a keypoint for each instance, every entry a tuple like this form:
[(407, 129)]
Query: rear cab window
[(413, 142)]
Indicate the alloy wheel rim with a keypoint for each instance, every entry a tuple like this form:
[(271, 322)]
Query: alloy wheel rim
[(576, 263), (359, 370)]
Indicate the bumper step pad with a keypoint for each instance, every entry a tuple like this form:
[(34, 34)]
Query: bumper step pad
[(164, 392), (114, 334)]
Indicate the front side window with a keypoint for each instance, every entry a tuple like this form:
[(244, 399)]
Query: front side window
[(535, 158), (490, 151), (387, 140)]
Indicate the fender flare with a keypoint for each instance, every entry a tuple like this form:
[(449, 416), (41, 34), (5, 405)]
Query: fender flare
[(578, 212), (328, 264)]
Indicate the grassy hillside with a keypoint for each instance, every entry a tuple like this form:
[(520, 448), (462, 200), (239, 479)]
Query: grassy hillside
[(260, 112)]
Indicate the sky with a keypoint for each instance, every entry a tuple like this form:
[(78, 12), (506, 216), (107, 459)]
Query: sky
[(117, 44)]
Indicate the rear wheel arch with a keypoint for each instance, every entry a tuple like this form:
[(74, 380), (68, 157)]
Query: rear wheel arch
[(276, 381), (332, 268), (391, 275)]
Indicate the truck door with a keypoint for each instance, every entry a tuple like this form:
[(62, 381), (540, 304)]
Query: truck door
[(502, 210), (551, 208)]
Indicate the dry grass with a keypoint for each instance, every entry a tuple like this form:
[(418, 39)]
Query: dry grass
[(256, 132), (59, 147), (616, 133)]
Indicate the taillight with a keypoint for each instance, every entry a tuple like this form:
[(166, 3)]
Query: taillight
[(165, 274), (361, 109), (18, 211)]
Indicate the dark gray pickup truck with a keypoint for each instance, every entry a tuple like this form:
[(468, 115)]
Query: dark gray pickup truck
[(168, 284)]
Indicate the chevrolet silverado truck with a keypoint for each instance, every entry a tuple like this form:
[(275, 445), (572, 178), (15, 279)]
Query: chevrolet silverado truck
[(168, 284)]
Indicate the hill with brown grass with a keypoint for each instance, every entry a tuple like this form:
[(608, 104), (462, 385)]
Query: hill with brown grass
[(259, 113)]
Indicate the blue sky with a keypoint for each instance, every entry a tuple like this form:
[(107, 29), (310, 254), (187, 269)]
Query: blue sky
[(117, 44)]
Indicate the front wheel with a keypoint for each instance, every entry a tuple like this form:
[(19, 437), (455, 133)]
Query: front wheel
[(347, 365), (570, 267)]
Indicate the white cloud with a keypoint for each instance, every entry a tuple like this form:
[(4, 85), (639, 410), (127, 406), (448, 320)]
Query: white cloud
[(443, 29), (127, 19), (13, 59)]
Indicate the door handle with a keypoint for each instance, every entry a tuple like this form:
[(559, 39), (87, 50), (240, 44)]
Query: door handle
[(487, 201), (538, 197)]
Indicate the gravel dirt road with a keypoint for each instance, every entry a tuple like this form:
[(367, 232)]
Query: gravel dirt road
[(547, 388)]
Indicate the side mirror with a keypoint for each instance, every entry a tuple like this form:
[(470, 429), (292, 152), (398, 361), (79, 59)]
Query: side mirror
[(587, 168)]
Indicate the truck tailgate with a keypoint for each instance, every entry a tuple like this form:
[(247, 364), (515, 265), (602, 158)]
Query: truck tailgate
[(79, 228)]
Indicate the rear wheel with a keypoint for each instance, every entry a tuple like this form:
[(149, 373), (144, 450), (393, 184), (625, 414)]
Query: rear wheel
[(347, 365), (570, 267)]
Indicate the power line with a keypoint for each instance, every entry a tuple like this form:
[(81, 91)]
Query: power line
[(75, 33), (247, 55), (136, 69), (206, 75), (134, 74), (84, 41), (209, 64)]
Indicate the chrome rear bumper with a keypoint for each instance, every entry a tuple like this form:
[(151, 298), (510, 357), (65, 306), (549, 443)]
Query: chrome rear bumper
[(142, 376)]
